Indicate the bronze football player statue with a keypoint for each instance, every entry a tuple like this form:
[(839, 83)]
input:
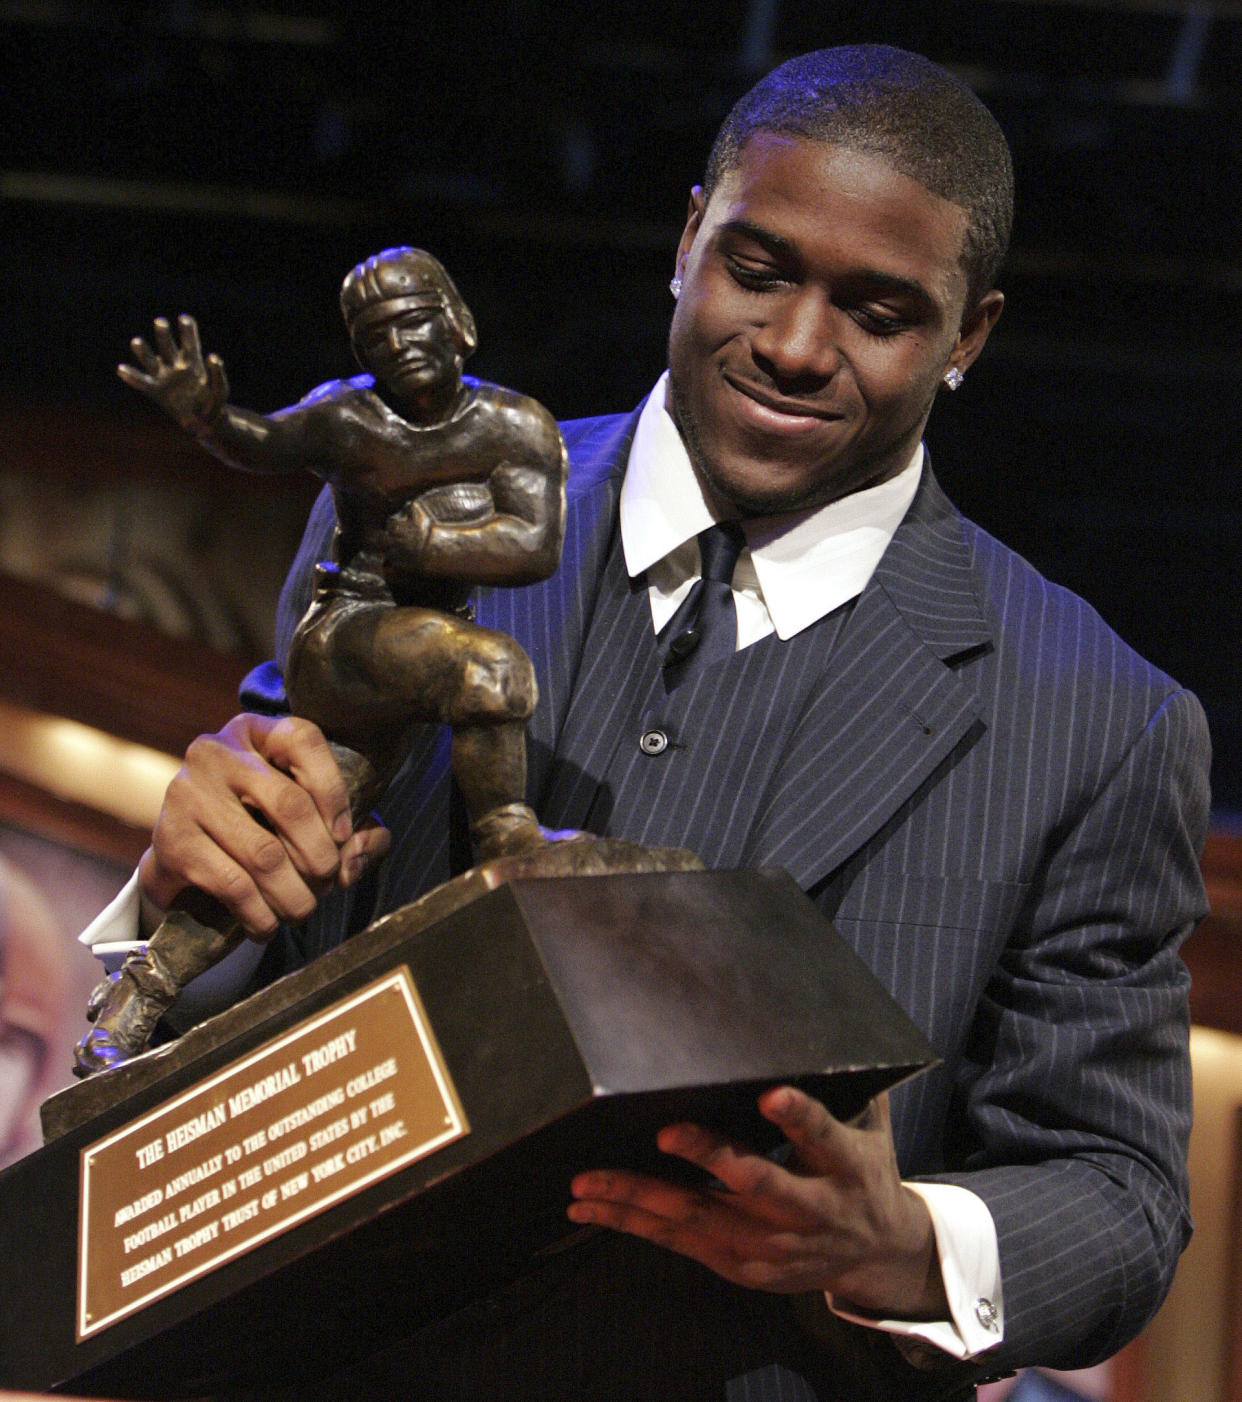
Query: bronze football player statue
[(440, 482)]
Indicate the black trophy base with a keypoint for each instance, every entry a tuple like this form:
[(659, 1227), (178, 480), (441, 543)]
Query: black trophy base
[(574, 1018)]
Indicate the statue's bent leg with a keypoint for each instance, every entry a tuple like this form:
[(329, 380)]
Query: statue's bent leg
[(365, 671), (488, 713), (357, 668), (489, 764)]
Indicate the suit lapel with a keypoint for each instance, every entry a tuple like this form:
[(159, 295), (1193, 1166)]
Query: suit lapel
[(888, 708)]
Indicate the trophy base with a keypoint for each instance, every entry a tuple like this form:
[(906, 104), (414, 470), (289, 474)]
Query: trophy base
[(389, 1133)]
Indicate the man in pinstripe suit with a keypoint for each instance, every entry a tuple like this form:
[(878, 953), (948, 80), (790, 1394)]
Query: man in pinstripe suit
[(997, 802)]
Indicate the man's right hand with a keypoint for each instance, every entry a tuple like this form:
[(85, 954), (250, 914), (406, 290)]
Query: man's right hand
[(192, 389), (209, 834)]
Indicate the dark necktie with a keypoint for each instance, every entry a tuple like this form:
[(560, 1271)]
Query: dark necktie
[(704, 628)]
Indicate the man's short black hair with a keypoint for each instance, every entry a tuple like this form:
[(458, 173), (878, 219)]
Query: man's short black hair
[(921, 118)]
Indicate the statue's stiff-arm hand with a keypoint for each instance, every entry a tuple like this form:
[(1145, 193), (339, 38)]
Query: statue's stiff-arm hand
[(209, 832), (193, 389)]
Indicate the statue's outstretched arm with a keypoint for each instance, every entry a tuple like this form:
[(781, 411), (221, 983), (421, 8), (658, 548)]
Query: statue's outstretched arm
[(193, 389)]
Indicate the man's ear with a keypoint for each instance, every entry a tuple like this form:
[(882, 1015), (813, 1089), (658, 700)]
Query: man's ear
[(977, 326), (694, 221)]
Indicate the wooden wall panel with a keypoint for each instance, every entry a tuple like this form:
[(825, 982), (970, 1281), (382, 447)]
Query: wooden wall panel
[(1214, 952), (125, 678)]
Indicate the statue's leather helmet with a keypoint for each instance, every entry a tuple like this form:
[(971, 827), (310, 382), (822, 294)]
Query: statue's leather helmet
[(396, 277)]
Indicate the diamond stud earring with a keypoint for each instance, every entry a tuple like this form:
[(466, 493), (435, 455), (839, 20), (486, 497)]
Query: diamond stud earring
[(953, 377)]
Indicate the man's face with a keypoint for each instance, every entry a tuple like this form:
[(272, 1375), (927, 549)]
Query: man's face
[(408, 346), (822, 300)]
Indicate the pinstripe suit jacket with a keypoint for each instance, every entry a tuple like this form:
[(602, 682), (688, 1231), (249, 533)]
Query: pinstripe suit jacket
[(1000, 806)]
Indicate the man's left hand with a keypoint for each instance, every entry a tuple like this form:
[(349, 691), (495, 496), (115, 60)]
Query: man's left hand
[(837, 1217)]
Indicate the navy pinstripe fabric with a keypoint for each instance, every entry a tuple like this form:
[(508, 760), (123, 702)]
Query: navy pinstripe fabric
[(999, 804)]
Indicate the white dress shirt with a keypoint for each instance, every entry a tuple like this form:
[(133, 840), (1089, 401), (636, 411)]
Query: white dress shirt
[(794, 570)]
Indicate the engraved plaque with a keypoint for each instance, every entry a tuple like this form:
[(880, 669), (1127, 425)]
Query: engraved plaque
[(339, 1101)]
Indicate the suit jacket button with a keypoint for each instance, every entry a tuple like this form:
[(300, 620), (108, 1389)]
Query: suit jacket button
[(653, 742)]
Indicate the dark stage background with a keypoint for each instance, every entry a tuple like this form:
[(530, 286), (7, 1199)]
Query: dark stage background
[(235, 160)]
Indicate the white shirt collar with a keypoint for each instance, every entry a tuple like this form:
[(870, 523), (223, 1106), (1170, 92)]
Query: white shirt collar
[(799, 567)]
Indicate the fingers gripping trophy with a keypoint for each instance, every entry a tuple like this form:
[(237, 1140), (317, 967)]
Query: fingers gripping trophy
[(440, 482)]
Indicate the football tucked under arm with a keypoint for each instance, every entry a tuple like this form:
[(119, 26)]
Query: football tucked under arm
[(500, 532), (458, 503)]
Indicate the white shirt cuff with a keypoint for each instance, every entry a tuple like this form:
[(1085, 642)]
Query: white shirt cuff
[(115, 931), (970, 1269)]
